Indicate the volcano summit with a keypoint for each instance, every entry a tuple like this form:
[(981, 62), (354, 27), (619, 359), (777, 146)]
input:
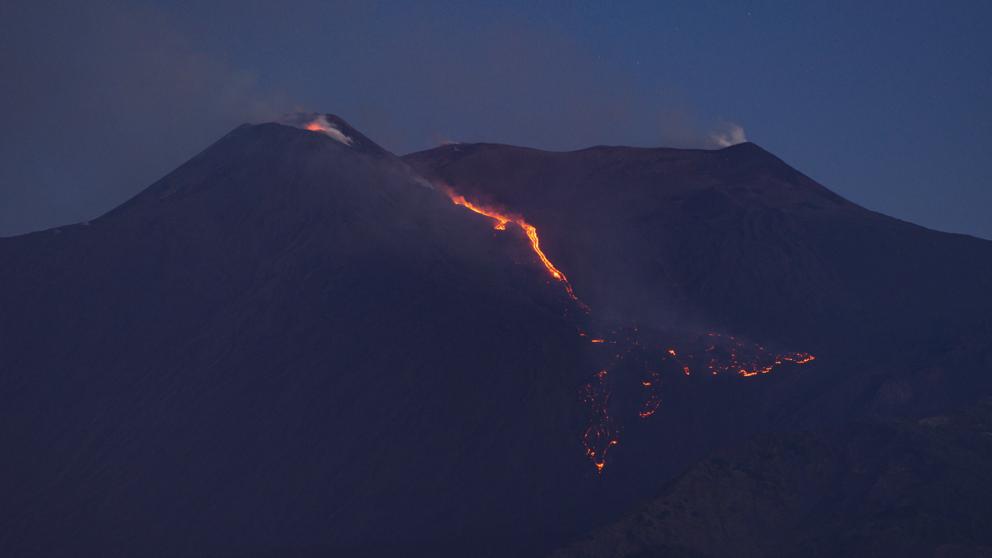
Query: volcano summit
[(300, 344)]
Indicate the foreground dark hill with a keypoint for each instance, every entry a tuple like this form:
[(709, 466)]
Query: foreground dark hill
[(915, 488), (289, 342), (735, 240)]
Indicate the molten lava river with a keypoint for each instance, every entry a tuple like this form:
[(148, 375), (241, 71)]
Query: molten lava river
[(711, 354)]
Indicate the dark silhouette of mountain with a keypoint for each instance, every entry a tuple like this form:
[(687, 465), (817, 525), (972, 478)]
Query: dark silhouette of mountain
[(296, 344), (896, 488)]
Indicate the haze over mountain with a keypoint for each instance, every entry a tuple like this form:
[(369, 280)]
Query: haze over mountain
[(296, 343)]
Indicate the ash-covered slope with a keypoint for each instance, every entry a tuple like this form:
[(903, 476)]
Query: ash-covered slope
[(735, 240), (291, 341)]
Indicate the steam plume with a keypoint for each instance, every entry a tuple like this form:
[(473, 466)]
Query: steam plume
[(732, 134)]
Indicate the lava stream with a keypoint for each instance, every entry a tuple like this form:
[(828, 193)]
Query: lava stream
[(501, 220)]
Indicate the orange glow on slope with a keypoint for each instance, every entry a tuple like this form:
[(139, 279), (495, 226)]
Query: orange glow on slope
[(715, 352), (501, 220), (652, 399), (600, 434), (798, 358), (725, 354)]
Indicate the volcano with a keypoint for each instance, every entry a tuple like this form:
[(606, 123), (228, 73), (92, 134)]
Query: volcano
[(298, 343)]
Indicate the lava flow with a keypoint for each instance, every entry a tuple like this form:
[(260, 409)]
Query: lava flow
[(713, 352), (501, 220), (600, 434), (652, 364)]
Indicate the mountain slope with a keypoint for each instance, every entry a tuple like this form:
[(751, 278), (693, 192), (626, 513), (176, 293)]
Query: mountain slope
[(698, 228), (735, 240), (900, 488)]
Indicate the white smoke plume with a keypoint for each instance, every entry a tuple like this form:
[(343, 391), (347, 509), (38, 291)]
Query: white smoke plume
[(731, 134), (320, 124)]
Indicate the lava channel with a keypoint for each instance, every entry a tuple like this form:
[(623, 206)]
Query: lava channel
[(501, 219)]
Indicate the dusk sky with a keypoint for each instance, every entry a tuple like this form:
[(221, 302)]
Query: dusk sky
[(890, 106)]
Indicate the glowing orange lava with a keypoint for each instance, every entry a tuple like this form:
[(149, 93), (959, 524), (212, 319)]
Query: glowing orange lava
[(600, 434), (501, 220), (652, 400)]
